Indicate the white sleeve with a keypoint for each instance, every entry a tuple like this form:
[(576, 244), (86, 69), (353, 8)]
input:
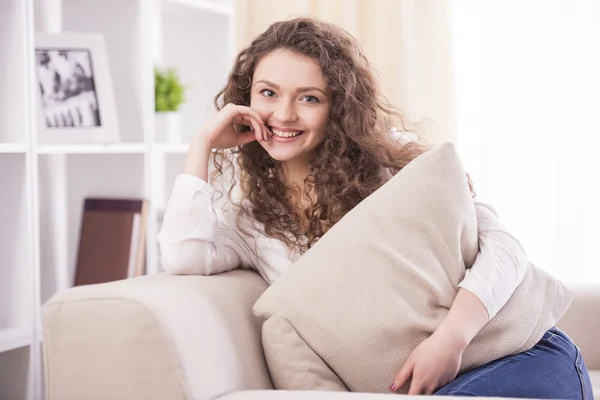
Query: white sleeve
[(196, 237), (500, 265)]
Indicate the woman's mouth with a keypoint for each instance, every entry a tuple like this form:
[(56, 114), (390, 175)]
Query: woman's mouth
[(277, 134)]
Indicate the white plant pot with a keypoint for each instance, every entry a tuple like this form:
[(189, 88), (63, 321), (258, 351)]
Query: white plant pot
[(168, 127)]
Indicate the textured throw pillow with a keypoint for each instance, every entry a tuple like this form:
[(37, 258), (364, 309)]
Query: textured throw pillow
[(348, 313)]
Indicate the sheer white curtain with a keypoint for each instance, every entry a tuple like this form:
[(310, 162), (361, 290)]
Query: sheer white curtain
[(528, 123)]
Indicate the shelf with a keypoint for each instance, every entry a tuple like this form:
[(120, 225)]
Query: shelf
[(92, 148), (172, 148), (63, 186), (13, 148), (13, 338), (214, 6)]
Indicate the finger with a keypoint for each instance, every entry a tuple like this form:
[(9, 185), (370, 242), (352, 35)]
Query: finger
[(428, 390), (471, 186), (250, 113), (258, 133), (242, 119), (402, 376), (249, 117), (255, 126), (267, 133), (255, 114), (416, 386)]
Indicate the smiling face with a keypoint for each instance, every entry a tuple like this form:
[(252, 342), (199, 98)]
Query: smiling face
[(291, 95)]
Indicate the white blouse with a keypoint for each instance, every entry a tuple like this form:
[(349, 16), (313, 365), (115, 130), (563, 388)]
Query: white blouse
[(199, 236)]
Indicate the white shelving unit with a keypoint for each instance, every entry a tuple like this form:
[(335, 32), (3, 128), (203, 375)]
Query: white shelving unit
[(44, 185)]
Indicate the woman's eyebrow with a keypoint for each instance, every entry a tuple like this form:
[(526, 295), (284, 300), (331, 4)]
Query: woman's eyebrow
[(299, 90)]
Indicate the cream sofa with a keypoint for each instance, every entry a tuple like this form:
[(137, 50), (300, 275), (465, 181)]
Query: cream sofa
[(195, 337)]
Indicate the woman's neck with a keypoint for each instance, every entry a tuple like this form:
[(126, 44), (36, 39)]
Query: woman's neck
[(293, 175), (294, 172)]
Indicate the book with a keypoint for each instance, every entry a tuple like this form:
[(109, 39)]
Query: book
[(112, 240), (135, 237), (140, 261)]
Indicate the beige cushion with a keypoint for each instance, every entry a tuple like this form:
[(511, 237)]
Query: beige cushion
[(347, 314)]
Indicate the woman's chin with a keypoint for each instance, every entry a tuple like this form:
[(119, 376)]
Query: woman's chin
[(279, 152), (279, 155)]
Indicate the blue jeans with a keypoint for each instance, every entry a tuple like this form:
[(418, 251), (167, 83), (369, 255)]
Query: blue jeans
[(552, 369)]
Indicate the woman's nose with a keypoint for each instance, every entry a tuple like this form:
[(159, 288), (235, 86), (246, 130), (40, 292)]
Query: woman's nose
[(285, 112)]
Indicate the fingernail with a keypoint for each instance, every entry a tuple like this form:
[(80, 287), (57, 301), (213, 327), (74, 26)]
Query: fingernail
[(393, 387)]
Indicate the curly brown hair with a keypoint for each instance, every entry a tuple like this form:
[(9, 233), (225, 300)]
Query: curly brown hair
[(349, 163)]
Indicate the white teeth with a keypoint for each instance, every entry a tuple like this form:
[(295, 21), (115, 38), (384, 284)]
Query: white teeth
[(285, 134)]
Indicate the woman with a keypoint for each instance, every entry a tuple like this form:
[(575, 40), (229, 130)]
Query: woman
[(309, 129)]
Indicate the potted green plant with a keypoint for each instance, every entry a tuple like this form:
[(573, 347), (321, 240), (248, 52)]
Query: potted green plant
[(168, 97)]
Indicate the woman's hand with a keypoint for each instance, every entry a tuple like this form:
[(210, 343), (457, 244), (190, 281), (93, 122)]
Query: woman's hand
[(219, 132), (471, 186), (436, 361), (432, 364)]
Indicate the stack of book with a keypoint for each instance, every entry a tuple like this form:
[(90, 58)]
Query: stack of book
[(112, 240)]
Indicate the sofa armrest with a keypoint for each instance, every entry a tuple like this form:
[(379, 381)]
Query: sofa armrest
[(582, 323), (155, 337)]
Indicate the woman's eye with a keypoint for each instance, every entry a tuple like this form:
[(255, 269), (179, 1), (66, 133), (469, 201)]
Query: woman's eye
[(311, 99), (268, 92)]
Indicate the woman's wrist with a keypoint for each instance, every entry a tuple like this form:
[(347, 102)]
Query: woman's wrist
[(455, 337), (466, 318), (198, 157), (202, 144)]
